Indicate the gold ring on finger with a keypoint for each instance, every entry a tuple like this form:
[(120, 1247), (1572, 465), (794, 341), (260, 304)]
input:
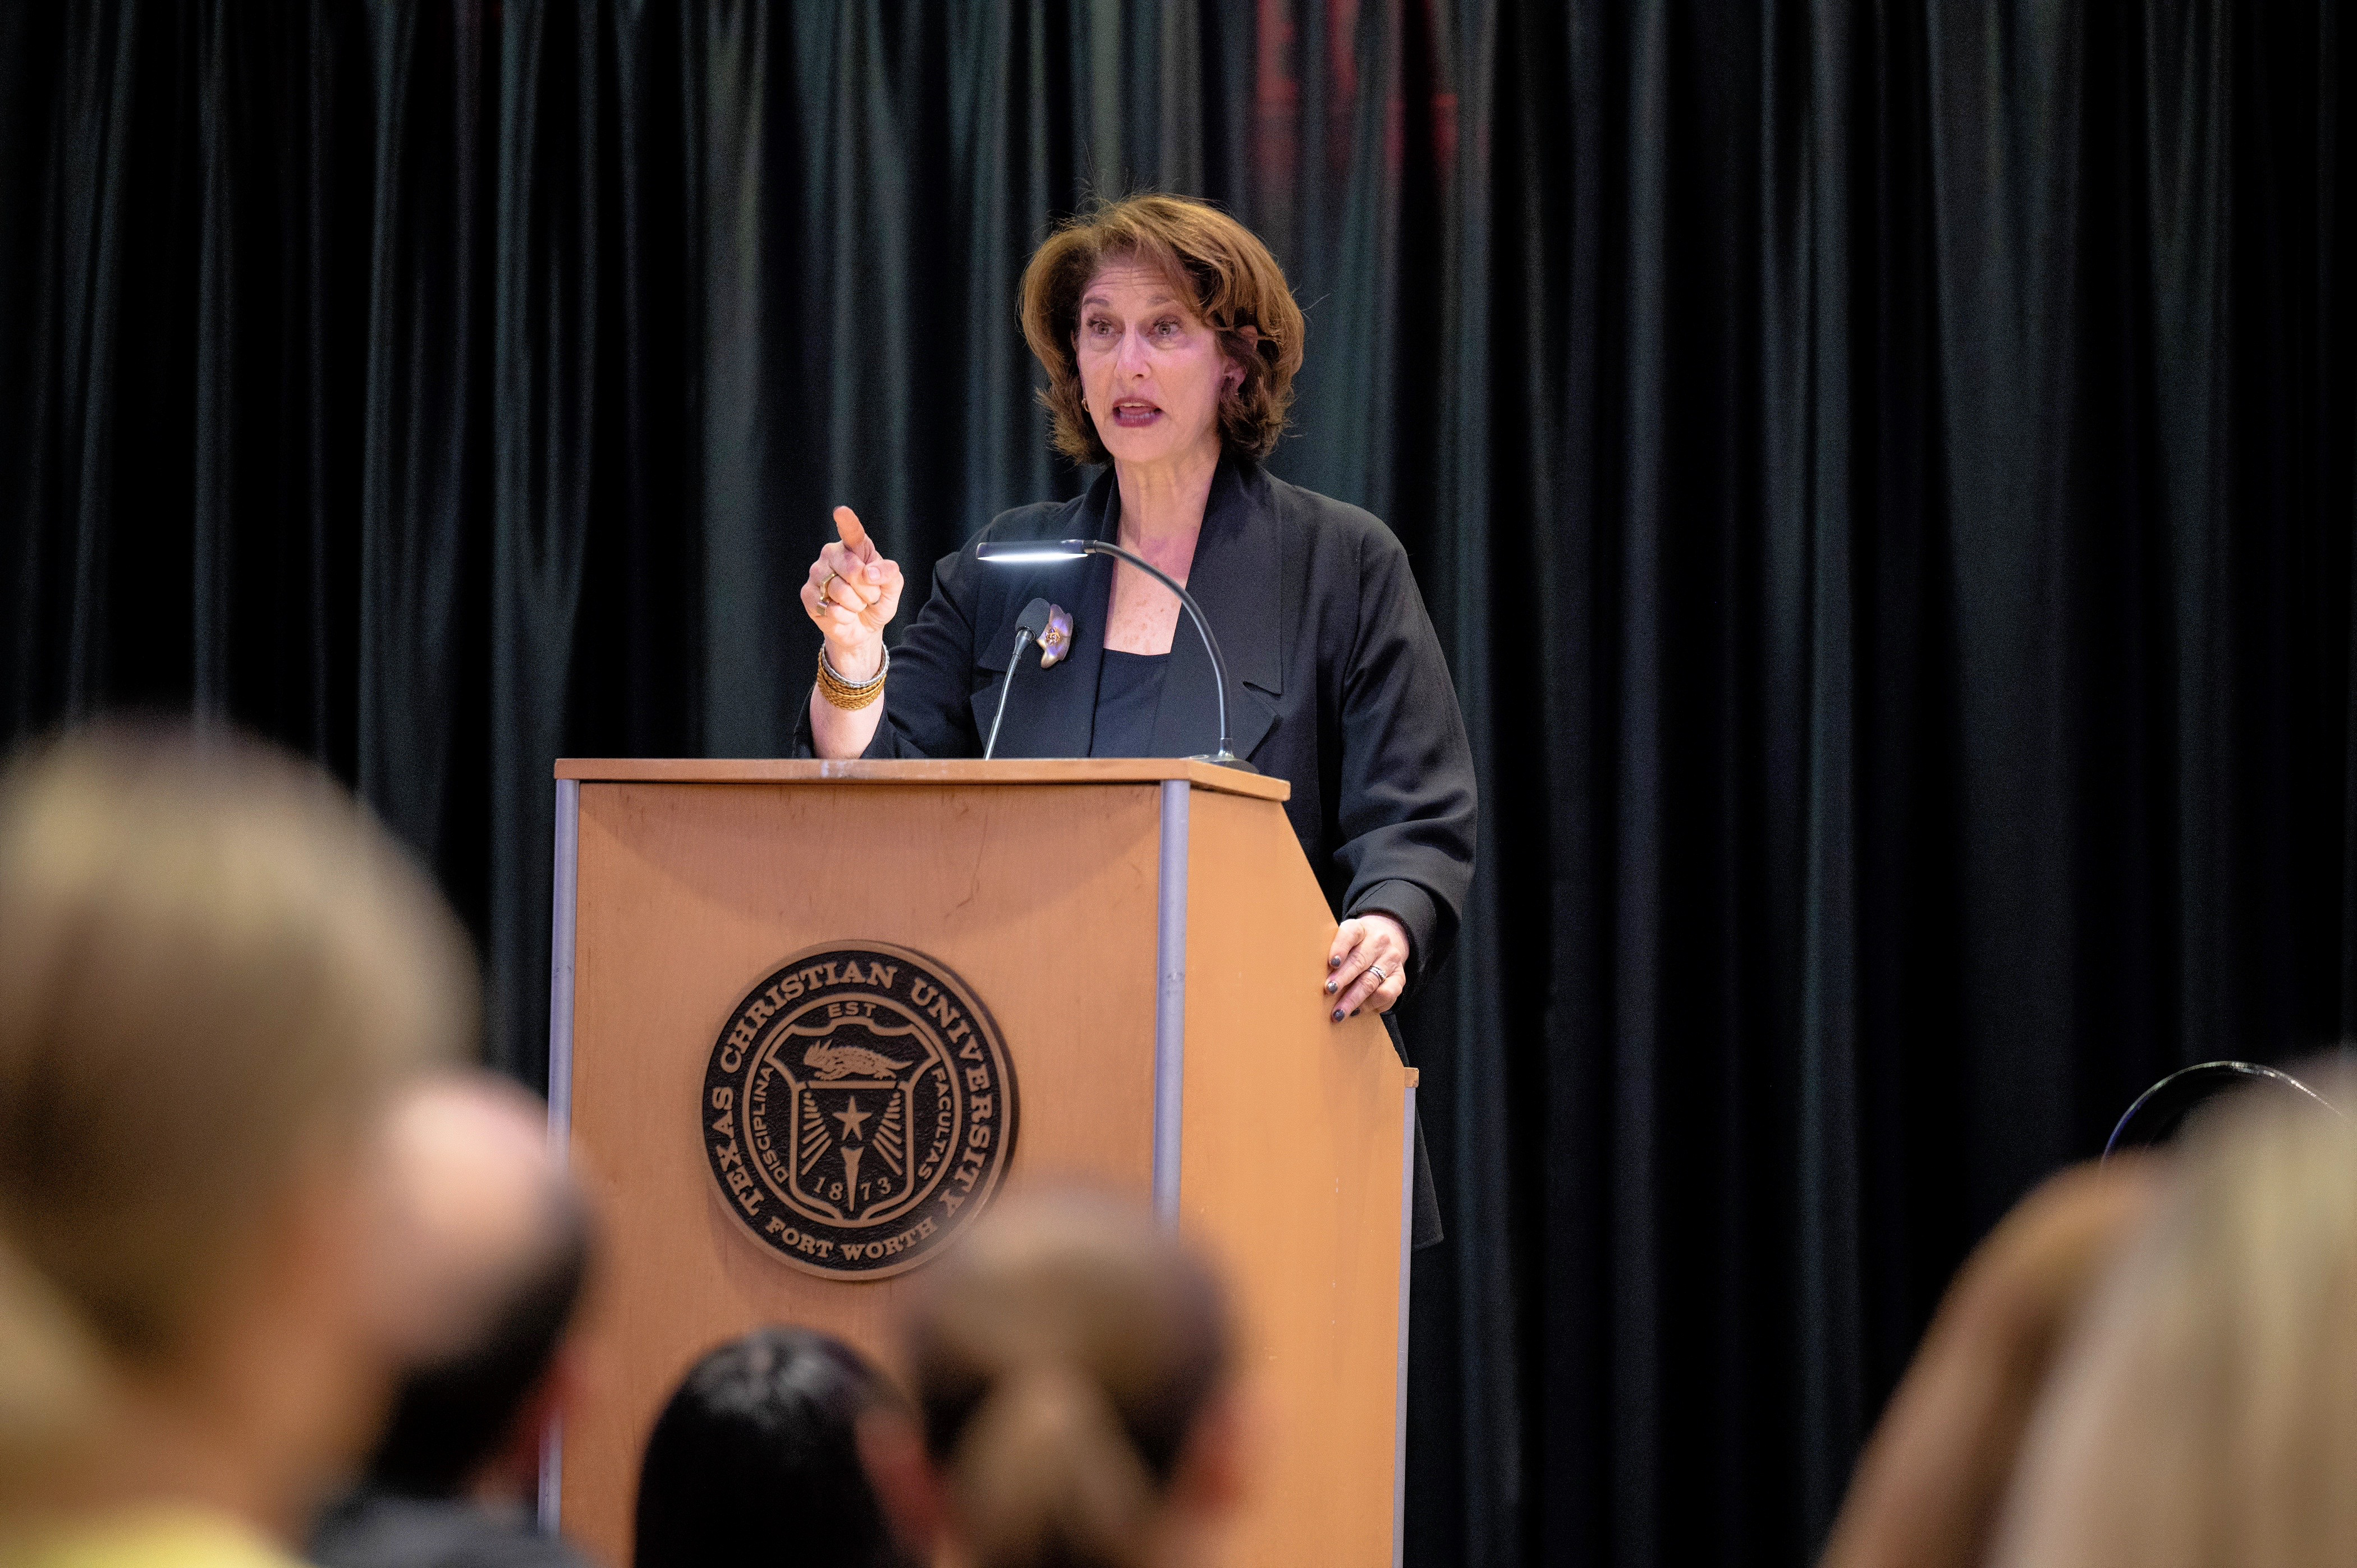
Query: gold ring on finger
[(823, 585)]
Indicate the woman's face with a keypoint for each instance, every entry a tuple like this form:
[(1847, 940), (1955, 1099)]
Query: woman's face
[(1150, 368)]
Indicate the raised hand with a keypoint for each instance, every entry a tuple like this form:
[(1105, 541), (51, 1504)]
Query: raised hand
[(852, 593)]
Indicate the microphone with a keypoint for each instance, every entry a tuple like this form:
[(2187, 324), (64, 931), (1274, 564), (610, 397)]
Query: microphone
[(1027, 627)]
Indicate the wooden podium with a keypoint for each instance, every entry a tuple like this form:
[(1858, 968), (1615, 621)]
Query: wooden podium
[(1150, 944)]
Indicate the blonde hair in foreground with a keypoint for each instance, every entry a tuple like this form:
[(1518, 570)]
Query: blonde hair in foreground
[(1063, 1359), (213, 968), (2206, 1413)]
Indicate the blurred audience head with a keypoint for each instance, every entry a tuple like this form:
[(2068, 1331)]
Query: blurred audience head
[(1071, 1364), (498, 1242), (760, 1445), (1933, 1478), (216, 972), (2205, 1412)]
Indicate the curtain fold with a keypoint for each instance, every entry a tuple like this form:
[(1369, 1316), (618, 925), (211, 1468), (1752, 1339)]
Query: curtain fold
[(1884, 473)]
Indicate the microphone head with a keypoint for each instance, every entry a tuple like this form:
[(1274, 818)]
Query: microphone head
[(1034, 618)]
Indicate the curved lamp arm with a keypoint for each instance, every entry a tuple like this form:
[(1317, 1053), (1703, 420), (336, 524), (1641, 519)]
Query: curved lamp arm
[(1035, 552)]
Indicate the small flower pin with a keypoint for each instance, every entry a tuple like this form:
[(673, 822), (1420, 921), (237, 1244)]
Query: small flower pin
[(1056, 642)]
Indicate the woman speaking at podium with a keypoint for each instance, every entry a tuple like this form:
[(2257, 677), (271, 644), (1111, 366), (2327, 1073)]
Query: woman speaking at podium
[(1171, 340)]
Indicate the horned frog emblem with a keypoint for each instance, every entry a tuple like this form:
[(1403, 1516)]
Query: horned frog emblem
[(830, 1062)]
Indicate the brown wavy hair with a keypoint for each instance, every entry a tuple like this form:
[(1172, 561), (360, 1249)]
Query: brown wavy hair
[(1210, 258), (1063, 1359)]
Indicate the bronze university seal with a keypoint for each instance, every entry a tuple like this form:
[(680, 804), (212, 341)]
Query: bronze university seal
[(857, 1110)]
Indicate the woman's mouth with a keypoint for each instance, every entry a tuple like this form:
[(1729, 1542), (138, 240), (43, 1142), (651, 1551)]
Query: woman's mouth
[(1131, 414)]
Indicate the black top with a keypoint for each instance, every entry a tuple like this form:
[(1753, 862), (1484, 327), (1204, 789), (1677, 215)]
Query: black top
[(1129, 693), (372, 1528), (1336, 682)]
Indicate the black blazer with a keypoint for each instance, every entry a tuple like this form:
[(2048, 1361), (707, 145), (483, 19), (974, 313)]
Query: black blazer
[(1336, 682)]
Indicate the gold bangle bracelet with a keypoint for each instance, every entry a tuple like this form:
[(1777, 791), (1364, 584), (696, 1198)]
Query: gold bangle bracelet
[(850, 695)]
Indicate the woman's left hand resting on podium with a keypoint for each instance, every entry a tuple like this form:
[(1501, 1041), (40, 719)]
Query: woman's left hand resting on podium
[(1368, 965), (852, 593)]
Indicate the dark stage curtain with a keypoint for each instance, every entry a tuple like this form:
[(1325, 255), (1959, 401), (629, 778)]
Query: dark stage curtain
[(1882, 472)]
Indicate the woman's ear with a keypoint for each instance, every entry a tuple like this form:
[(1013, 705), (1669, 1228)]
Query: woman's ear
[(1251, 335)]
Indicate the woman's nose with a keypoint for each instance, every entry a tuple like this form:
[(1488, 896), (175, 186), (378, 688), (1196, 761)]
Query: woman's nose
[(1131, 361)]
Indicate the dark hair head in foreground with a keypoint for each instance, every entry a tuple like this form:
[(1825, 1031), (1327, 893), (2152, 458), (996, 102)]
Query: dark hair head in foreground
[(1068, 1359), (756, 1459)]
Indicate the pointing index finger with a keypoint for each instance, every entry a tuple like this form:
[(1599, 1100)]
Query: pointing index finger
[(854, 533)]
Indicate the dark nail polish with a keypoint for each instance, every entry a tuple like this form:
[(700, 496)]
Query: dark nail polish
[(1338, 1014), (1333, 964), (1330, 988)]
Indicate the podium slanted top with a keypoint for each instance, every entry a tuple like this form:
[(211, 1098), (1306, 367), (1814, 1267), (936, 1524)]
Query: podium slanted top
[(860, 770)]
